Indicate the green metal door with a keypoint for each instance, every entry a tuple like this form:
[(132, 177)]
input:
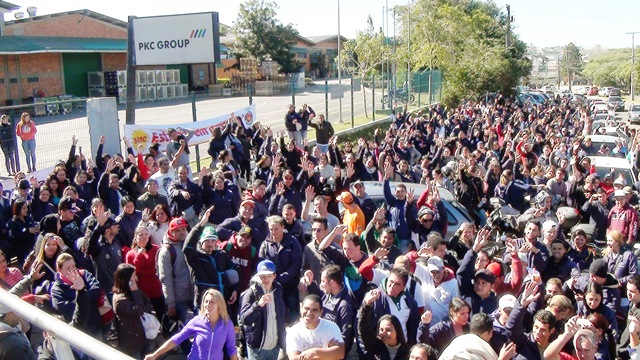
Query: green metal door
[(76, 66)]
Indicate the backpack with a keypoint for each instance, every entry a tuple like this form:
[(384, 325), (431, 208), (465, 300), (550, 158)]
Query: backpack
[(172, 253)]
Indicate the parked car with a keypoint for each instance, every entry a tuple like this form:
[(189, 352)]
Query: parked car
[(457, 213), (615, 165), (593, 91), (604, 91), (615, 92), (615, 103), (599, 140), (634, 113)]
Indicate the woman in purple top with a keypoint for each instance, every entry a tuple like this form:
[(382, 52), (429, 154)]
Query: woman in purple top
[(212, 330)]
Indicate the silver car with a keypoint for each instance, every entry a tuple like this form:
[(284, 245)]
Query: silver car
[(634, 113)]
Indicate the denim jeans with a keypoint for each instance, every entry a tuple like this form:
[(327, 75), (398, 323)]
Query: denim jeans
[(29, 147), (324, 148), (181, 312), (262, 354)]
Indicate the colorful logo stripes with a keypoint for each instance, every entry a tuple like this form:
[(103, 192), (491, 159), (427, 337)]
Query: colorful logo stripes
[(197, 33)]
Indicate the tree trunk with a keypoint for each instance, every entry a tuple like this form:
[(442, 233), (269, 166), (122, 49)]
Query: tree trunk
[(364, 95)]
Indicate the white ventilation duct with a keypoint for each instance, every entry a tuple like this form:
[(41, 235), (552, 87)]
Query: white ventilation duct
[(18, 15), (31, 10)]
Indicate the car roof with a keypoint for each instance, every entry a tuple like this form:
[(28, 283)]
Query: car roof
[(375, 189), (610, 162), (604, 138)]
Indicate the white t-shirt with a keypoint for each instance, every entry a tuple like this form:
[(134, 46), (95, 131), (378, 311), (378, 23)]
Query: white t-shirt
[(164, 180), (299, 338)]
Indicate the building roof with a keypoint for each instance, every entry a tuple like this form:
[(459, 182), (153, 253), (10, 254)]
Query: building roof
[(51, 44), (323, 38), (85, 12), (6, 7)]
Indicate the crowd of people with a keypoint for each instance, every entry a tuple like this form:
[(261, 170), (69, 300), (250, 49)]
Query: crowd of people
[(292, 257)]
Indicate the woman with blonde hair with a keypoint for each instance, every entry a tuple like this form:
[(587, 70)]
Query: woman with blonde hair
[(26, 131), (621, 262), (212, 330)]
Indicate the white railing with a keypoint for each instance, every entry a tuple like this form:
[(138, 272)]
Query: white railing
[(61, 330)]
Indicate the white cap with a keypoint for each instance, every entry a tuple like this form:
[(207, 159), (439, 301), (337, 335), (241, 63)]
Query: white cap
[(507, 301), (619, 193), (435, 264), (548, 225), (618, 181)]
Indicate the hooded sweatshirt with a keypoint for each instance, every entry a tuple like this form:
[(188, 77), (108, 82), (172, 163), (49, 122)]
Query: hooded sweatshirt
[(14, 344)]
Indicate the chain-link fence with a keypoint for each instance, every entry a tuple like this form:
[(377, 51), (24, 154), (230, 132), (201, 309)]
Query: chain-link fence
[(345, 103)]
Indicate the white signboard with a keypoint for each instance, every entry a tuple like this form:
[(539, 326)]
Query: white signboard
[(177, 39)]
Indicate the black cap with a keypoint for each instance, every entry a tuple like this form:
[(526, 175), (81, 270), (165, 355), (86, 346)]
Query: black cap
[(599, 268), (111, 220), (485, 275), (24, 184), (67, 203)]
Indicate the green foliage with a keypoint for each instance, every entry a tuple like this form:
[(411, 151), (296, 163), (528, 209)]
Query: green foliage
[(610, 68), (571, 63), (259, 34), (466, 40), (361, 56)]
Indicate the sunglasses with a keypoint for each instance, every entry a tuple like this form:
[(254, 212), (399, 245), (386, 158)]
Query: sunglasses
[(427, 220)]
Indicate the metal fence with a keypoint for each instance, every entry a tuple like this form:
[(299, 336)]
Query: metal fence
[(349, 102)]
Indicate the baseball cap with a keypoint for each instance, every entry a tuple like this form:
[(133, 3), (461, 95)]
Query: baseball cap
[(266, 267), (208, 233), (599, 268), (435, 263), (628, 190), (424, 211), (507, 301), (67, 203), (619, 193), (485, 275), (618, 181), (495, 269), (345, 197), (358, 182), (248, 203), (112, 220), (177, 223), (549, 225), (245, 230)]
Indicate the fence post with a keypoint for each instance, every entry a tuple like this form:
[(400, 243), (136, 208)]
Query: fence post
[(250, 89), (193, 114), (326, 100), (293, 94), (419, 90), (373, 97), (352, 116), (16, 154)]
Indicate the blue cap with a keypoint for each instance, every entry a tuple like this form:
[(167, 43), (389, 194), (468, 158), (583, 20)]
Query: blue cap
[(266, 267)]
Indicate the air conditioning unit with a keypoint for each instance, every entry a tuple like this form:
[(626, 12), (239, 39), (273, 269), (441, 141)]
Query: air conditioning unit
[(122, 78), (170, 93), (151, 93), (141, 77), (151, 77), (185, 90), (177, 91), (160, 78), (168, 76), (161, 91), (97, 92), (95, 79), (142, 93), (176, 76)]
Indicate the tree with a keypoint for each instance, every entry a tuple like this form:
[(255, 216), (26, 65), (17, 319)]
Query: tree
[(259, 34), (363, 54), (610, 68), (466, 40), (571, 63)]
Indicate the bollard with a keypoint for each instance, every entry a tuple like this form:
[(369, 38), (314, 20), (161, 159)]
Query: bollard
[(193, 114)]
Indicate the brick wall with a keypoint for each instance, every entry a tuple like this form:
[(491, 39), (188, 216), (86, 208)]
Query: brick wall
[(114, 61), (74, 25)]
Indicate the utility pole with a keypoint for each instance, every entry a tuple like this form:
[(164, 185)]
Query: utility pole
[(339, 63), (408, 51), (384, 41), (633, 63), (508, 40)]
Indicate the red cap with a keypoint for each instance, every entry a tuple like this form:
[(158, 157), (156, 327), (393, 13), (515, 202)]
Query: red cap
[(249, 203), (495, 268), (177, 223)]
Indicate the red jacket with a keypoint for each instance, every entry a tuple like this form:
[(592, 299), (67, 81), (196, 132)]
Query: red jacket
[(27, 131), (625, 220), (145, 264), (245, 259)]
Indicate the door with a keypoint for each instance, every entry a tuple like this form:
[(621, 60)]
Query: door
[(75, 67)]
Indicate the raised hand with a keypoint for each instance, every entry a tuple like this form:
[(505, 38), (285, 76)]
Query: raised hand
[(145, 215), (380, 214), (426, 317), (507, 352), (529, 294), (309, 193), (101, 216), (380, 253), (102, 139), (127, 143), (350, 170), (280, 188), (410, 196), (388, 171), (371, 296), (74, 141), (205, 217), (76, 279), (481, 240), (36, 273)]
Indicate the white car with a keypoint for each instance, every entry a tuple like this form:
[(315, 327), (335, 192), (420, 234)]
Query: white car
[(598, 140), (615, 165), (604, 91)]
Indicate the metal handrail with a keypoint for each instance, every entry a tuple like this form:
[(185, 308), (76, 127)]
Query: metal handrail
[(81, 341)]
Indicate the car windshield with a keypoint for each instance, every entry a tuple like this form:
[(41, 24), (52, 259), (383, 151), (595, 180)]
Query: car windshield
[(615, 98), (635, 108)]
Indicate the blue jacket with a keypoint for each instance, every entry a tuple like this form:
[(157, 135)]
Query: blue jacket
[(253, 317), (465, 275), (526, 347), (178, 203), (396, 210), (63, 298), (225, 203), (128, 224), (288, 259), (439, 336), (623, 266)]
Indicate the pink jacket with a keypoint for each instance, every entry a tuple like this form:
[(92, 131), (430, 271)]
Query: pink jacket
[(27, 131)]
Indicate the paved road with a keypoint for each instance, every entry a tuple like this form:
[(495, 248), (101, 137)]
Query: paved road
[(55, 132)]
